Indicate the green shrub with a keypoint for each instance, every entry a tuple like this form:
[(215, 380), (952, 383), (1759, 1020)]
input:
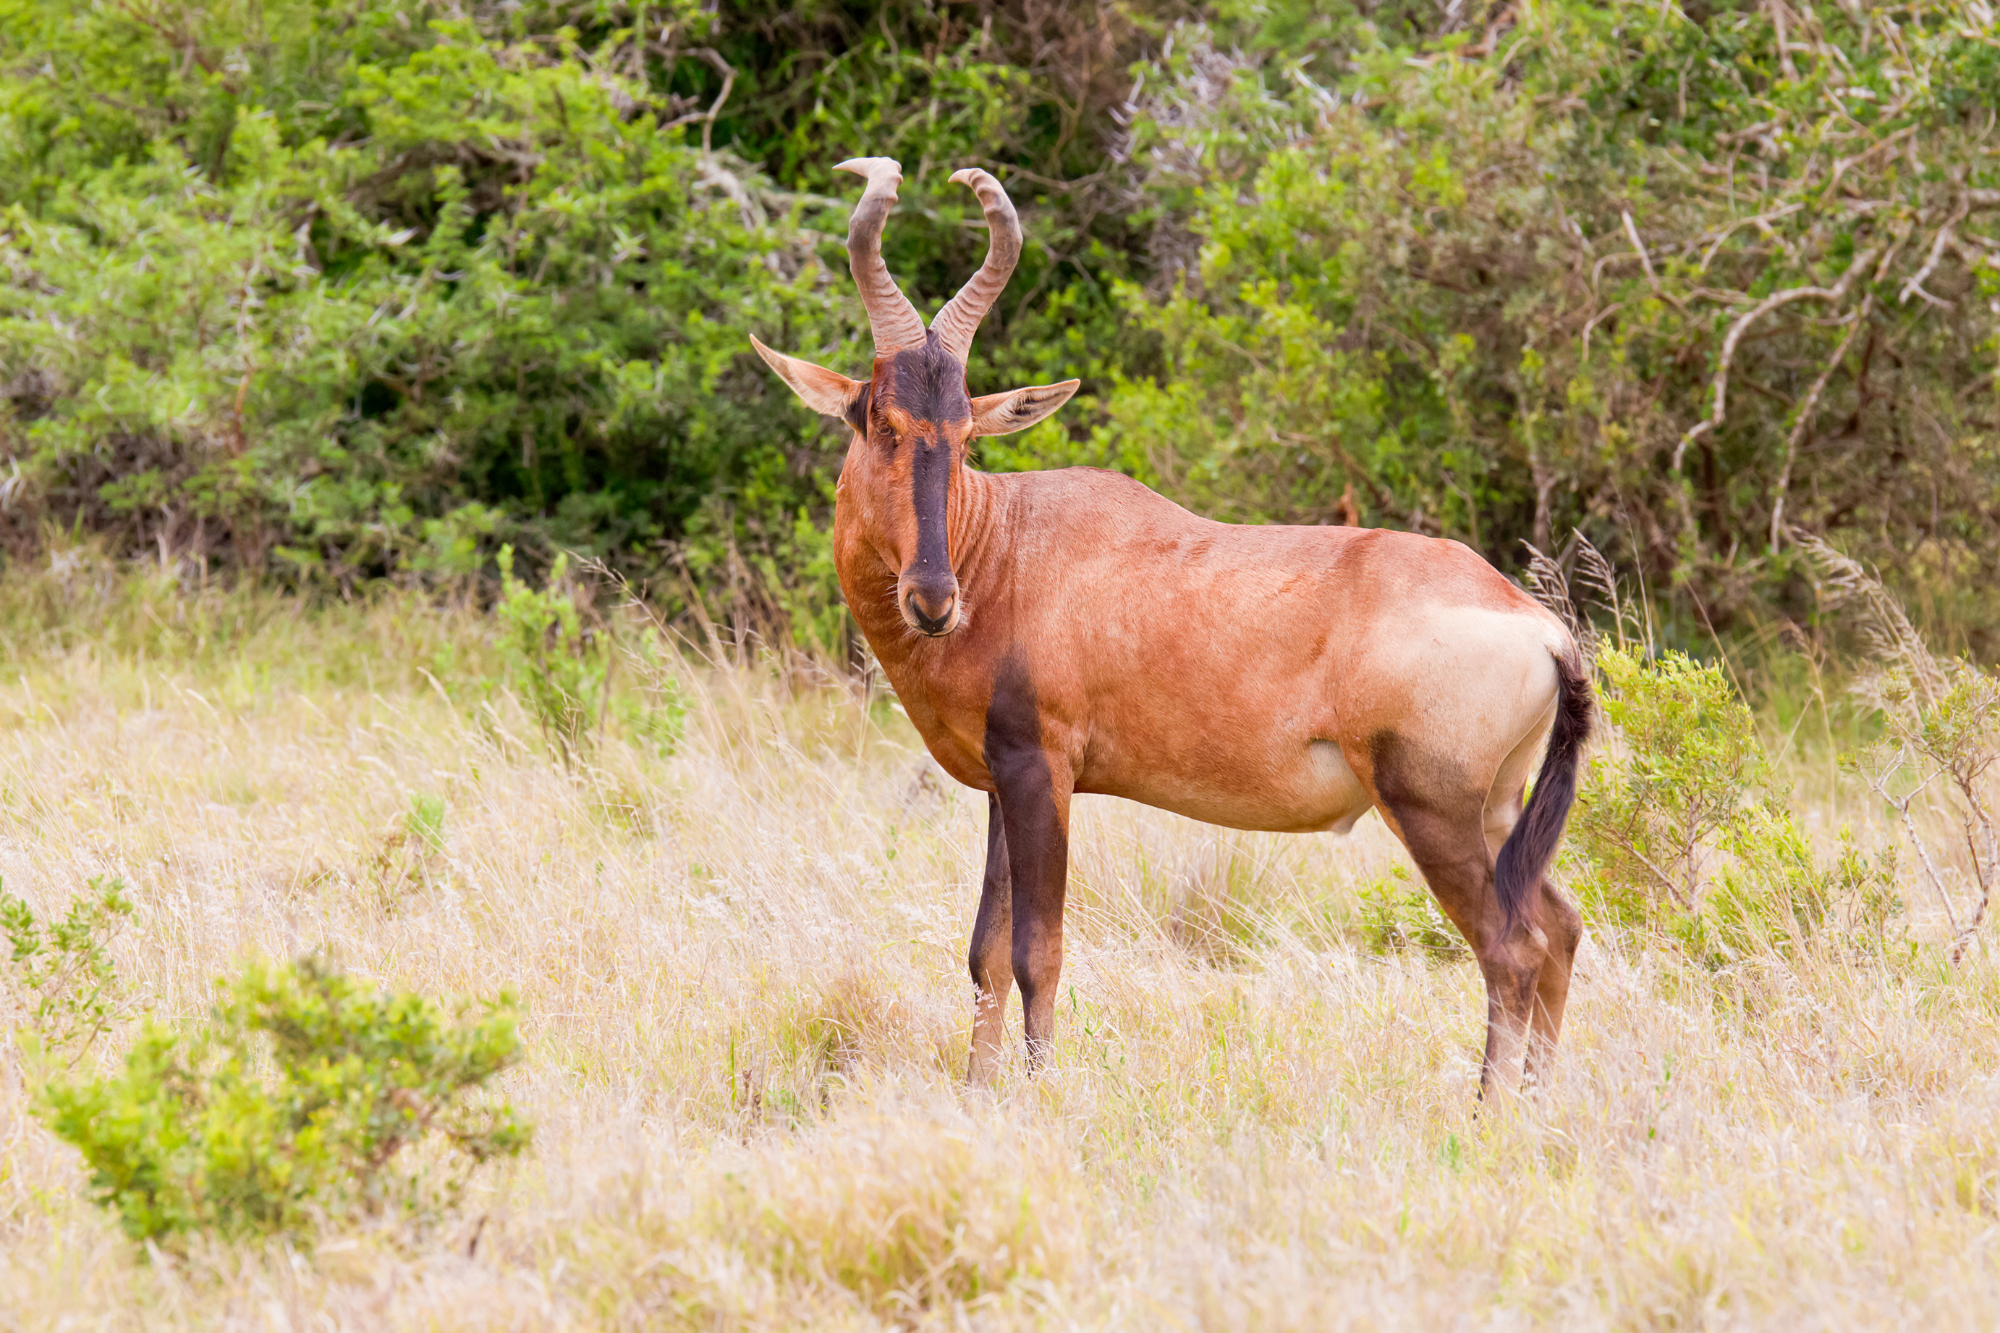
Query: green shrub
[(1398, 915), (339, 289), (655, 714), (423, 826), (1683, 833), (63, 973), (557, 667), (308, 1098)]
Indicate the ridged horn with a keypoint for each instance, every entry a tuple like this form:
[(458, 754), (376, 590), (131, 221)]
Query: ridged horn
[(895, 321), (959, 320)]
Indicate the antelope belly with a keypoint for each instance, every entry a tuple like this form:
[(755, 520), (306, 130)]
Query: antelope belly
[(1299, 789)]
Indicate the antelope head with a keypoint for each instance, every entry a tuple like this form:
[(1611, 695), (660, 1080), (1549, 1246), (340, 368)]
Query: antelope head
[(913, 418)]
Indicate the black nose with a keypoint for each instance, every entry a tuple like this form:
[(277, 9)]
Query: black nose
[(931, 608)]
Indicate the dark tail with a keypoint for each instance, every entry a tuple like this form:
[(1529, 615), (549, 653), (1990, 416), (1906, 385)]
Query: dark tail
[(1532, 845)]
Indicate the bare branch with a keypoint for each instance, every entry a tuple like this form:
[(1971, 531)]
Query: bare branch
[(1855, 323), (1924, 857), (1945, 239), (1775, 300), (707, 118), (1645, 260)]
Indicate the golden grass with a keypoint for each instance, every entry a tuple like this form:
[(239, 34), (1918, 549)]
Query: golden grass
[(748, 1022)]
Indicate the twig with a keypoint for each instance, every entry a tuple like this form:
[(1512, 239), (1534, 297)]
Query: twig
[(1645, 260), (1923, 852), (1760, 220), (1806, 411), (1946, 236), (1764, 307), (1595, 320), (1841, 165), (707, 118)]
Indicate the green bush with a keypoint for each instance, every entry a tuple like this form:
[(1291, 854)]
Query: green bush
[(1397, 914), (336, 289), (344, 289), (423, 826), (63, 972), (1681, 832), (556, 666), (307, 1098), (654, 709), (1611, 266)]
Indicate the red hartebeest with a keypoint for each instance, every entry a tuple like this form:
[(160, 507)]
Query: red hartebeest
[(1058, 632)]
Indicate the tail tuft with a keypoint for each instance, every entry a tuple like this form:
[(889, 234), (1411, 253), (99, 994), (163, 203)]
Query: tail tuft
[(1526, 854)]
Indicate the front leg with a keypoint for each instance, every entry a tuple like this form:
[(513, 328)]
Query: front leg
[(992, 954), (1033, 788)]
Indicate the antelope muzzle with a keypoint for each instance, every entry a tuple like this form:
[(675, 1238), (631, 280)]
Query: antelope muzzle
[(929, 602)]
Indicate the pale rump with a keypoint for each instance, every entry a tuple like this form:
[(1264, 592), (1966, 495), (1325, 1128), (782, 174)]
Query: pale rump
[(1050, 633)]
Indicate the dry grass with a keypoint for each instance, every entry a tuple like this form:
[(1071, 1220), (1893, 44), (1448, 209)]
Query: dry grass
[(748, 1026)]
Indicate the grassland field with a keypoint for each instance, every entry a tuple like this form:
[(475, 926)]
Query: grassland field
[(747, 1024)]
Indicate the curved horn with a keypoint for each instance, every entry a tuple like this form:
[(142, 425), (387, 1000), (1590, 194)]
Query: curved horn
[(959, 320), (896, 323)]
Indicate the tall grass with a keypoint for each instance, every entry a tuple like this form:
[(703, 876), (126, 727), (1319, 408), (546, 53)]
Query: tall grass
[(747, 1015)]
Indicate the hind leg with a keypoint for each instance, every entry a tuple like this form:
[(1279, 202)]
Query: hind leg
[(1447, 839), (1562, 927), (1562, 924), (1546, 909)]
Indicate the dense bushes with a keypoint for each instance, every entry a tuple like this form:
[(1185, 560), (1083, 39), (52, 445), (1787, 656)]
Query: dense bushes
[(344, 290), (1682, 833), (1675, 282)]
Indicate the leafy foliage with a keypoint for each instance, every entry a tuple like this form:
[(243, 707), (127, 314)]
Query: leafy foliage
[(344, 289), (1682, 833), (558, 668), (1671, 277), (63, 971), (303, 1101), (1397, 915)]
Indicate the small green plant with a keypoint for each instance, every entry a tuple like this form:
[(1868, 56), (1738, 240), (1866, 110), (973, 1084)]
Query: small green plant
[(1683, 832), (423, 826), (557, 666), (1397, 915), (1653, 807), (62, 972), (309, 1097), (1940, 741), (409, 851), (656, 715)]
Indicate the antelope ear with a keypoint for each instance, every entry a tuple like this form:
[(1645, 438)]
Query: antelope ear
[(1018, 409), (826, 392)]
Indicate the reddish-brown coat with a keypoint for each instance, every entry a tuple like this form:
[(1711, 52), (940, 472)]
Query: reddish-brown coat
[(1058, 632)]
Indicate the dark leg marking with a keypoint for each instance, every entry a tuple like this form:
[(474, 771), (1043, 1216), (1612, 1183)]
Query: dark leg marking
[(991, 958), (1034, 809)]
